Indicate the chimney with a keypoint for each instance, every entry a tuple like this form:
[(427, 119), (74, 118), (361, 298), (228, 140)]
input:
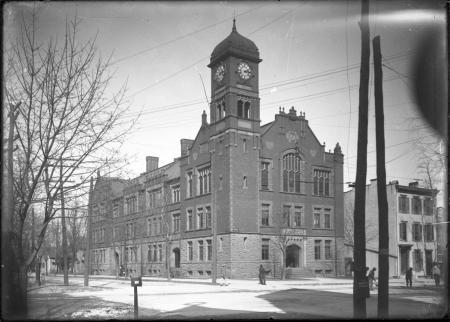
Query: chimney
[(185, 145), (152, 163), (414, 184), (204, 116)]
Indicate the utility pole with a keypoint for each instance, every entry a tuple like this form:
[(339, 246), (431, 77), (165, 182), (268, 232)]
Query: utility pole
[(383, 222), (87, 256), (360, 283), (63, 224)]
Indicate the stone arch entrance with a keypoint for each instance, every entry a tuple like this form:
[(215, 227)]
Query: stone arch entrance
[(293, 256), (176, 254)]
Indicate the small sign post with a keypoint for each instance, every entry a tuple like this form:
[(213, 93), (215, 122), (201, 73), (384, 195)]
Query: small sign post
[(135, 282)]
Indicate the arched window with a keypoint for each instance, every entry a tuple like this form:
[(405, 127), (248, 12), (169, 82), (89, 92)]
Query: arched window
[(247, 110), (292, 169), (224, 112), (220, 111), (240, 107)]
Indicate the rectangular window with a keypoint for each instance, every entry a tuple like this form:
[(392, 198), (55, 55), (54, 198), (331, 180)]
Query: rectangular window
[(265, 214), (328, 249), (149, 226), (190, 251), (189, 185), (298, 214), (149, 253), (160, 252), (287, 216), (130, 205), (159, 225), (321, 179), (416, 205), (155, 253), (417, 232), (208, 217), (209, 245), (265, 175), (244, 145), (176, 223), (265, 249), (200, 219), (403, 231), (429, 233), (189, 221), (403, 204), (428, 206), (200, 250), (327, 218), (316, 217), (317, 246), (116, 210)]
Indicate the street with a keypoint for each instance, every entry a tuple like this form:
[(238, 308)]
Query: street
[(108, 298)]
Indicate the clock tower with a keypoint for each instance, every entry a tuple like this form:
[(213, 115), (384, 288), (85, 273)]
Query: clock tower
[(234, 84)]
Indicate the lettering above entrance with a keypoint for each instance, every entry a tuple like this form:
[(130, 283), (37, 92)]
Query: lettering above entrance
[(294, 232)]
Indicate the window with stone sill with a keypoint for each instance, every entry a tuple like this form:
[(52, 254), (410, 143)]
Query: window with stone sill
[(265, 249), (321, 182), (204, 181), (403, 204), (265, 175)]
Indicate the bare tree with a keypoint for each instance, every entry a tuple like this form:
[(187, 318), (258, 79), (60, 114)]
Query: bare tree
[(63, 112), (370, 226)]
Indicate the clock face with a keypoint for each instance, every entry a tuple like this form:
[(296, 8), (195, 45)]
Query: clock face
[(220, 72), (244, 71)]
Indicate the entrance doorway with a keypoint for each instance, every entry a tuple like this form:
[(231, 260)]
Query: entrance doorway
[(292, 256), (176, 253), (428, 261), (404, 258)]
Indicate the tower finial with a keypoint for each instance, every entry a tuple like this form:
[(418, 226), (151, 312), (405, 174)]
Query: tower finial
[(234, 23)]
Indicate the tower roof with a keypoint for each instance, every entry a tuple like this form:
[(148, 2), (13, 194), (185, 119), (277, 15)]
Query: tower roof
[(235, 44)]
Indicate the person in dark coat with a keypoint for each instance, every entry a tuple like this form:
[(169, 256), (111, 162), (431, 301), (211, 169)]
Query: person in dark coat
[(262, 275), (371, 277), (408, 277), (366, 279)]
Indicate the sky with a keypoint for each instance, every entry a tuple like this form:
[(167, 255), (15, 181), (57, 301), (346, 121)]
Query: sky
[(311, 54)]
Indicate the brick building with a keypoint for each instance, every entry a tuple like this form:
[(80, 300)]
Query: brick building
[(412, 220), (239, 195)]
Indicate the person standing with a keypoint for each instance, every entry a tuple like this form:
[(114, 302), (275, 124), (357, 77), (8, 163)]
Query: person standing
[(262, 275), (436, 274), (408, 277), (366, 282)]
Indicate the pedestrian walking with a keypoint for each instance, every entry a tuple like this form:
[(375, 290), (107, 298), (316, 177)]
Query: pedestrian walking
[(371, 278), (408, 277), (366, 280), (262, 275), (436, 274)]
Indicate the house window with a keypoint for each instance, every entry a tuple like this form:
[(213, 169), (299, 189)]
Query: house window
[(265, 175), (265, 249), (402, 228), (417, 232), (190, 251), (429, 234), (416, 206), (291, 173), (209, 249), (403, 204), (159, 225), (149, 253), (155, 253), (200, 250), (208, 217), (287, 216), (160, 252), (418, 264), (189, 221), (130, 205), (428, 206), (265, 214), (200, 218), (327, 218), (176, 223), (316, 216), (321, 180), (317, 244), (176, 193), (328, 249), (189, 185), (204, 181), (298, 214)]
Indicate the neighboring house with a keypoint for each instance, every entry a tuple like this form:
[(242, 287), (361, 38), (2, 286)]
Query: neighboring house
[(412, 227), (47, 256), (236, 190)]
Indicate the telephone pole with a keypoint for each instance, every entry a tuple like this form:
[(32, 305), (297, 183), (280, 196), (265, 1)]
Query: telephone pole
[(383, 222), (360, 283)]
